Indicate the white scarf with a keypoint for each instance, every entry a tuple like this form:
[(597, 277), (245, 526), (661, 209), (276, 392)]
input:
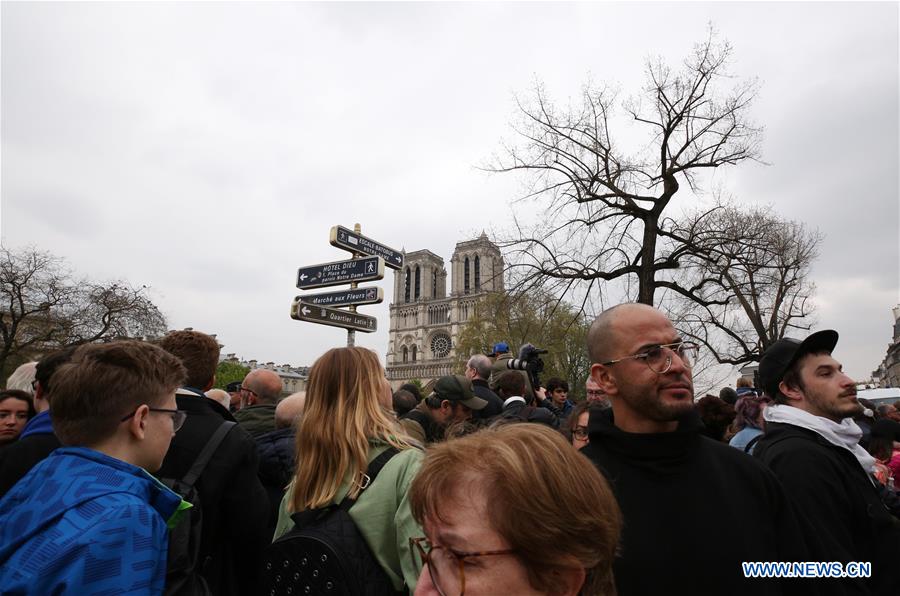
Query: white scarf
[(846, 434)]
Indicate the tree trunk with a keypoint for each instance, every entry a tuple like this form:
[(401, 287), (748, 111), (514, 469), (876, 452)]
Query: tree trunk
[(647, 275)]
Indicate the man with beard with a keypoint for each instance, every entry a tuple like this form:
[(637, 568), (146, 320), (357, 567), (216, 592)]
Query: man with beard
[(694, 509), (811, 443)]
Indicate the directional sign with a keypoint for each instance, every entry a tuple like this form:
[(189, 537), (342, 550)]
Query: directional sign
[(350, 240), (340, 272), (345, 297), (333, 316)]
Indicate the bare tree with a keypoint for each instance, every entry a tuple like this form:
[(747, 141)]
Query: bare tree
[(43, 307), (604, 220), (748, 271)]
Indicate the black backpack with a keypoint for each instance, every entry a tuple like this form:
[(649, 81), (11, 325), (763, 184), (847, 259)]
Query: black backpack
[(325, 554), (183, 570)]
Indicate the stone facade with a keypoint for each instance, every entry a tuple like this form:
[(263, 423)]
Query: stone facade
[(888, 372), (425, 320)]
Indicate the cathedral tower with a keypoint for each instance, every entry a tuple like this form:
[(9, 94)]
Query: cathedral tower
[(425, 321)]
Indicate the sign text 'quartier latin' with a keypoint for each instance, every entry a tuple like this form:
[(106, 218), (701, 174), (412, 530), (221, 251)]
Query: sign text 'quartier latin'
[(332, 316)]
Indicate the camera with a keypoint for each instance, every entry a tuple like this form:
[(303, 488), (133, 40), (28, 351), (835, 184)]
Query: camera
[(530, 361)]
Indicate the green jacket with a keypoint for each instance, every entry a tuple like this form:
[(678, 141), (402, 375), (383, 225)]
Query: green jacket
[(256, 420), (382, 515)]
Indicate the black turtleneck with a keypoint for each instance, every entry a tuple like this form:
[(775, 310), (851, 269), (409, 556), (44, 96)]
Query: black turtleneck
[(694, 509)]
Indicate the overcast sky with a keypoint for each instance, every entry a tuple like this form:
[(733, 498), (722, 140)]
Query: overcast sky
[(206, 149)]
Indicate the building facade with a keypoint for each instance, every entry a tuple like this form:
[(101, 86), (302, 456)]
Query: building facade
[(425, 319), (888, 372)]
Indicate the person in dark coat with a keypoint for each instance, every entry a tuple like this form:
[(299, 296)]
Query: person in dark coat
[(511, 387), (37, 440), (276, 452), (812, 444), (478, 370), (694, 509), (235, 504)]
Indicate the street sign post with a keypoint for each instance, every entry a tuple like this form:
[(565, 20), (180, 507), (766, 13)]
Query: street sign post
[(357, 243), (335, 317), (340, 272), (345, 297)]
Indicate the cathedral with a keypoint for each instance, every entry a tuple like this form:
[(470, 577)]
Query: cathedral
[(425, 321)]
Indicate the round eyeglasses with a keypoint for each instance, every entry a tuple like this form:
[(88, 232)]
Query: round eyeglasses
[(178, 416), (659, 358), (446, 567)]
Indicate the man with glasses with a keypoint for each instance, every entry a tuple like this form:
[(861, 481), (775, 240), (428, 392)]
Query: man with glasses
[(693, 507), (594, 395), (260, 391), (89, 518)]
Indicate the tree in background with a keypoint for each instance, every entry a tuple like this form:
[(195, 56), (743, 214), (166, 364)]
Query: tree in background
[(605, 201), (749, 269), (228, 372), (44, 307), (535, 318)]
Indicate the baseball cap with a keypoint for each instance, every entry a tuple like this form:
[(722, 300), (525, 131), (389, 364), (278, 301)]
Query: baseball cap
[(782, 354), (501, 347), (457, 388)]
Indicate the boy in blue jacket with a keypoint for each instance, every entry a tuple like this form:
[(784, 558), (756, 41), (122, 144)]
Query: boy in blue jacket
[(90, 519)]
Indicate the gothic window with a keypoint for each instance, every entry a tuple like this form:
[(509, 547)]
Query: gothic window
[(414, 353), (477, 273), (406, 292), (466, 276), (418, 282), (434, 284), (405, 354), (440, 345)]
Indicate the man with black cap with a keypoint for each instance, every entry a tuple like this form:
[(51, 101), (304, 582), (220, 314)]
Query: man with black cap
[(812, 445), (451, 401)]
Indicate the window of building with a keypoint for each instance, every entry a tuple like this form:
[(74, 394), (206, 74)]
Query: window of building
[(440, 345), (434, 284), (405, 354), (466, 275), (414, 353), (418, 282), (477, 273), (406, 291)]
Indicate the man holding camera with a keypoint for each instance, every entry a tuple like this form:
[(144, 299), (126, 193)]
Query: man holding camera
[(502, 359)]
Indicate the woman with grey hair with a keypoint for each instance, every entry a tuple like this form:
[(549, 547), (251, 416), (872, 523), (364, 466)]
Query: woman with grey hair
[(22, 378)]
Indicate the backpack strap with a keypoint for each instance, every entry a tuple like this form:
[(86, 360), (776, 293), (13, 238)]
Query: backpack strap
[(206, 454), (751, 443), (370, 474)]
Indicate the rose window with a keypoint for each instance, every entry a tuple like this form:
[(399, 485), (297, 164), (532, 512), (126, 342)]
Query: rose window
[(440, 345)]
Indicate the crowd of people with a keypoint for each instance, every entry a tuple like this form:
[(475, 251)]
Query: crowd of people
[(122, 470)]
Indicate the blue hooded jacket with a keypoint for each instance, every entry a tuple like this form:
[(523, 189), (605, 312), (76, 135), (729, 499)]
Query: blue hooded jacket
[(82, 522)]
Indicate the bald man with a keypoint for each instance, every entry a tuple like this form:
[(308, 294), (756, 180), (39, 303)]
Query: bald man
[(681, 493), (260, 391), (289, 410)]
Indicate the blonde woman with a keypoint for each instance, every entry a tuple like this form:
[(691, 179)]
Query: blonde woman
[(347, 422)]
